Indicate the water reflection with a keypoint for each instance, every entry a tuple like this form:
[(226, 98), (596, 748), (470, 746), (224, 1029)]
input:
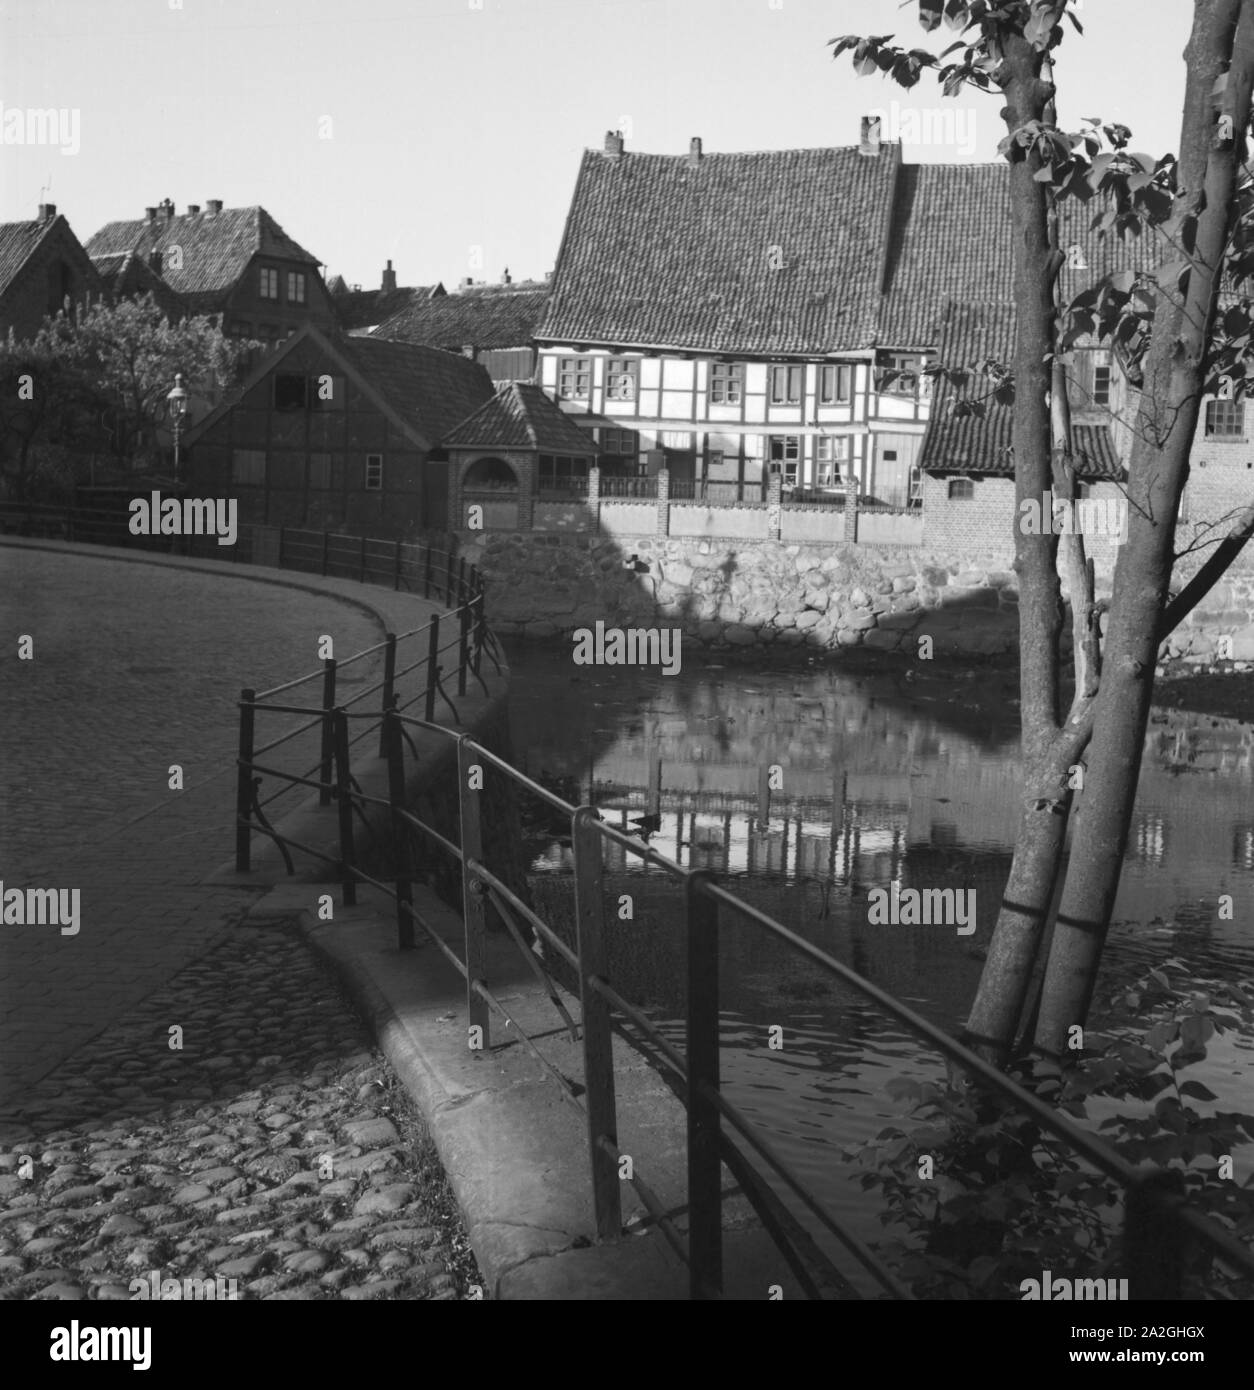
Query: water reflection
[(808, 789)]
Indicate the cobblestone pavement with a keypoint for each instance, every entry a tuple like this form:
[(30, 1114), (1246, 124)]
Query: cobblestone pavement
[(275, 1149), (136, 667)]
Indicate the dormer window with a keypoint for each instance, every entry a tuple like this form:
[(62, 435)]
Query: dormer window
[(269, 288), (295, 287)]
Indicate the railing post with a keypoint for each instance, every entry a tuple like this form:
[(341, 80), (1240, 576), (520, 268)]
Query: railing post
[(328, 731), (244, 782), (396, 569), (326, 547), (481, 627), (400, 830), (474, 899), (448, 576), (705, 1197), (461, 580), (598, 1044), (426, 575), (463, 649), (433, 655), (389, 683), (344, 800)]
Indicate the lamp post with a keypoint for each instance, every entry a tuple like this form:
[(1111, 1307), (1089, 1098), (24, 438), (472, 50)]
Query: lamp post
[(177, 403)]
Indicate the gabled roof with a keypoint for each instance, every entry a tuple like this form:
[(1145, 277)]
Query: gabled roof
[(520, 416), (18, 241), (971, 444), (370, 308), (423, 391), (216, 248), (773, 252), (125, 275), (484, 317)]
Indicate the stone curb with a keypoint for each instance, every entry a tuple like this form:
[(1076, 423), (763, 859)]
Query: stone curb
[(513, 1151)]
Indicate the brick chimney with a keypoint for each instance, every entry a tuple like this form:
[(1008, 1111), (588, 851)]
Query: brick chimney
[(150, 214), (193, 209), (613, 144), (870, 144), (166, 209), (694, 152), (389, 279), (47, 211), (506, 278), (214, 206)]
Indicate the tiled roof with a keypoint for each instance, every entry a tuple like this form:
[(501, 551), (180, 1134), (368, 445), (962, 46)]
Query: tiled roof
[(216, 248), (125, 275), (950, 239), (426, 390), (369, 308), (659, 253), (971, 333), (17, 241), (431, 389), (521, 416), (483, 317)]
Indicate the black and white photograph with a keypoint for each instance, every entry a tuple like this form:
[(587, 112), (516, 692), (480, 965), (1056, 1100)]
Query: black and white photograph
[(626, 671)]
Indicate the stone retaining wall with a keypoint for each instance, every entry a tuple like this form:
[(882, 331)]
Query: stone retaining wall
[(731, 593)]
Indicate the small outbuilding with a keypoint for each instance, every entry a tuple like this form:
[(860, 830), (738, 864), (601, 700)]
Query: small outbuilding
[(514, 450)]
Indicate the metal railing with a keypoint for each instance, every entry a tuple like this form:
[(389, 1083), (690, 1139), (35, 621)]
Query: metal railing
[(548, 489), (618, 488), (836, 498), (470, 639), (1155, 1219), (719, 493), (403, 565)]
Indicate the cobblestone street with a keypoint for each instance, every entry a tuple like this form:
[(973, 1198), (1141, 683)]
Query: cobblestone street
[(275, 1149), (136, 667)]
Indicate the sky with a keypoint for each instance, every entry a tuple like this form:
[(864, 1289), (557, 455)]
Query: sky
[(446, 135)]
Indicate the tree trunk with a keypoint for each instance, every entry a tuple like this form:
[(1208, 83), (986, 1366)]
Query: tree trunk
[(1007, 973), (1166, 421)]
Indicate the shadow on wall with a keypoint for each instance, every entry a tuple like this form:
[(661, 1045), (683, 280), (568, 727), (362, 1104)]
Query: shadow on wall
[(732, 593)]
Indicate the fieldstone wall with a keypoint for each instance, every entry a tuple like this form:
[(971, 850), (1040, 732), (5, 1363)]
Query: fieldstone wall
[(729, 593)]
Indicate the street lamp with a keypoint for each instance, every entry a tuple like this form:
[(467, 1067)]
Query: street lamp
[(177, 403)]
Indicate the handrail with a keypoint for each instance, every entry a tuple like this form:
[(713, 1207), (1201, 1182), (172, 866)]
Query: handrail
[(695, 1077)]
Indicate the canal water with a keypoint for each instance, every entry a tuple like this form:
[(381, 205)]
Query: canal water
[(807, 789)]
